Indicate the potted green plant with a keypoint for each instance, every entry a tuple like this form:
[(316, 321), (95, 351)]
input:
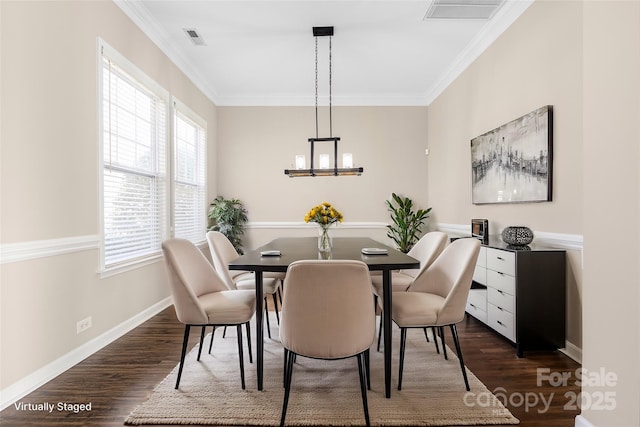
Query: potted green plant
[(407, 223), (229, 217)]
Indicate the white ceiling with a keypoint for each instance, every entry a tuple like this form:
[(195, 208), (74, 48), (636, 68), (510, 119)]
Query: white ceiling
[(262, 52)]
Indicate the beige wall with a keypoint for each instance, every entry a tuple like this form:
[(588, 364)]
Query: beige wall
[(584, 59), (256, 144), (526, 68), (49, 177), (581, 57), (611, 206)]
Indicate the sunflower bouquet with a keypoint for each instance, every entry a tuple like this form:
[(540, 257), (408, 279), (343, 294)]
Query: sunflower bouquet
[(324, 214)]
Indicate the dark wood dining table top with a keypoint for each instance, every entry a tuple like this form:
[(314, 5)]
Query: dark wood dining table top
[(298, 248), (294, 249)]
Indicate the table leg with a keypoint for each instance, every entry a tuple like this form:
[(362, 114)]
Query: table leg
[(386, 314), (259, 327)]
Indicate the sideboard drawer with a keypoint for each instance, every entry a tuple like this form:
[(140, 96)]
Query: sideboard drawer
[(501, 281), (501, 299), (480, 275), (525, 293), (482, 257), (501, 321), (481, 315), (478, 298), (502, 261)]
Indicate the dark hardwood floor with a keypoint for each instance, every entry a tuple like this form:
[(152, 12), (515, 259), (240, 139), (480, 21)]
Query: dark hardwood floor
[(121, 376)]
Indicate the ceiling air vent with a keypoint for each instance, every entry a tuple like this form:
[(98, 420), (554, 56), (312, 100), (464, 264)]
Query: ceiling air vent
[(463, 9), (193, 34)]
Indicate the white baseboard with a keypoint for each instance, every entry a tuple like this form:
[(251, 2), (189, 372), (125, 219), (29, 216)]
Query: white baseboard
[(18, 390), (582, 422), (572, 351)]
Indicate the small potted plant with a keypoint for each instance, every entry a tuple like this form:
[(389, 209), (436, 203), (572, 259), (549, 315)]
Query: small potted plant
[(229, 217), (407, 223)]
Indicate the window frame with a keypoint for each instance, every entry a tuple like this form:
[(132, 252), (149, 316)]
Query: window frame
[(164, 205), (180, 108)]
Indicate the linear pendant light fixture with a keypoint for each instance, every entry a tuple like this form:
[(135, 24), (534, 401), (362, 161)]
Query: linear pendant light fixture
[(347, 159)]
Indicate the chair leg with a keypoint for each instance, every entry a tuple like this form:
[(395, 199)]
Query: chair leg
[(266, 315), (240, 354), (185, 341), (280, 291), (204, 328), (248, 327), (435, 339), (454, 332), (211, 342), (284, 367), (367, 368), (403, 343), (287, 386), (224, 332), (426, 335), (275, 304), (444, 347), (363, 388)]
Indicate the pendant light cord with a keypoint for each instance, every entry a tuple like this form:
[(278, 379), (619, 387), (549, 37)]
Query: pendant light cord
[(330, 92), (316, 87), (330, 115)]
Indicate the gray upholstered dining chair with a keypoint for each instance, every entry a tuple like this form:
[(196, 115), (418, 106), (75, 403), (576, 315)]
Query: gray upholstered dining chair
[(201, 298), (438, 297), (222, 253), (326, 314), (426, 250)]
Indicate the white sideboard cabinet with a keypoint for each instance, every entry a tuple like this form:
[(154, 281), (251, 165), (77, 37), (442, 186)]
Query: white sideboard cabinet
[(521, 294)]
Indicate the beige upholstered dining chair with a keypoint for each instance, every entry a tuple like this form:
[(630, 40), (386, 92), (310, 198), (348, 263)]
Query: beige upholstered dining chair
[(326, 314), (438, 297), (222, 253), (201, 298), (426, 250)]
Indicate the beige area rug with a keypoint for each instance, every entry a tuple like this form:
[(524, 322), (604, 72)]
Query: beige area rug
[(324, 393)]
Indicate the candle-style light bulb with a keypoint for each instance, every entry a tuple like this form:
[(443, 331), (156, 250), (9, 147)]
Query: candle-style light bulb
[(324, 161), (347, 160)]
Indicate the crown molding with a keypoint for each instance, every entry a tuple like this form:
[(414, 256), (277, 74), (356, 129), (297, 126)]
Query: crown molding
[(507, 14), (503, 19), (386, 100), (137, 12)]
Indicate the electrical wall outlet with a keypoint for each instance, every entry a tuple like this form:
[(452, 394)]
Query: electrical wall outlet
[(83, 324)]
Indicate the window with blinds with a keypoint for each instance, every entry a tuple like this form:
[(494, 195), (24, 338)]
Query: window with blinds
[(134, 163), (189, 175)]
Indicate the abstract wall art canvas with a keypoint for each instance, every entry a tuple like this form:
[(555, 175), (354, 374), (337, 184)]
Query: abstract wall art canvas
[(512, 163)]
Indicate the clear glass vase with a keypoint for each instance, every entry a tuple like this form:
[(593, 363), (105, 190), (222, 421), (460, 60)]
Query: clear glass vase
[(324, 239)]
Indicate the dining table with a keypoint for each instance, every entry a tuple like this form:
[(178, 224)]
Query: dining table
[(277, 255)]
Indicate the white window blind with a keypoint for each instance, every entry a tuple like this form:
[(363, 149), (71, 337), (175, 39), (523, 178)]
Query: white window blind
[(189, 175), (134, 162)]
